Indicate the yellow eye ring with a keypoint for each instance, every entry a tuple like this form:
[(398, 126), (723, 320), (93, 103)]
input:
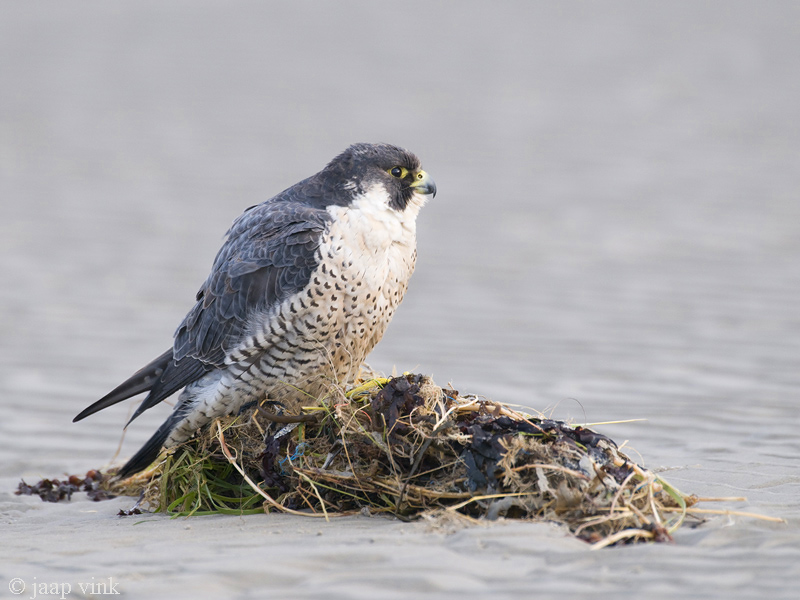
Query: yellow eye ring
[(398, 172)]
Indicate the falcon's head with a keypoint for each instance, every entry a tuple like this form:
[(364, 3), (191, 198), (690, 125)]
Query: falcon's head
[(394, 173)]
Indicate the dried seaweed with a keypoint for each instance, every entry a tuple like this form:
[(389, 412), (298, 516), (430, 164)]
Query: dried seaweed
[(56, 490), (407, 447)]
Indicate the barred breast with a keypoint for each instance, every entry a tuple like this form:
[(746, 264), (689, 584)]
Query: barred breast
[(317, 339)]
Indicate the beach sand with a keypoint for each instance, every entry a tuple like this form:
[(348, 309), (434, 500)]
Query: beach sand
[(616, 236)]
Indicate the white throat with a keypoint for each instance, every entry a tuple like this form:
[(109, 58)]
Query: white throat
[(379, 224)]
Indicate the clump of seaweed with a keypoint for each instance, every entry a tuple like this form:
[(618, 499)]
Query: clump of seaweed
[(56, 490), (407, 447)]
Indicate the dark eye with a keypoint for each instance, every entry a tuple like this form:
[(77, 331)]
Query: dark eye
[(397, 172)]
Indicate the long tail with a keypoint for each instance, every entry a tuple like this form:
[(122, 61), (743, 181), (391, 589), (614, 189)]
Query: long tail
[(142, 381), (162, 377)]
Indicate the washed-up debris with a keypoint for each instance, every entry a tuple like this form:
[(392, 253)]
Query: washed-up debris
[(56, 490), (407, 447)]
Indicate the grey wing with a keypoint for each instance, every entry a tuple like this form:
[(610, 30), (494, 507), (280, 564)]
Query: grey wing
[(270, 254)]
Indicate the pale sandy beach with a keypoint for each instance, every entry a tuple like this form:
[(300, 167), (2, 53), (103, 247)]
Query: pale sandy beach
[(616, 236)]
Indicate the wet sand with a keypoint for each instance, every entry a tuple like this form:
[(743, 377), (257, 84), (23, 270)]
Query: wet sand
[(616, 236)]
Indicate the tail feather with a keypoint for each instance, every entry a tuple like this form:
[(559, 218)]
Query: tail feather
[(150, 451), (141, 381), (162, 378), (175, 376)]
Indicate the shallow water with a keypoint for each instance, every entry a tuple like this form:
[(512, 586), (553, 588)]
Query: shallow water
[(616, 236)]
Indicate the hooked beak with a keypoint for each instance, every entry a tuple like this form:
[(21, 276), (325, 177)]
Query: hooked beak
[(424, 184)]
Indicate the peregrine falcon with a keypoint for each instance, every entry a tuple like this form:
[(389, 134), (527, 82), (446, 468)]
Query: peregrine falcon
[(300, 292)]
